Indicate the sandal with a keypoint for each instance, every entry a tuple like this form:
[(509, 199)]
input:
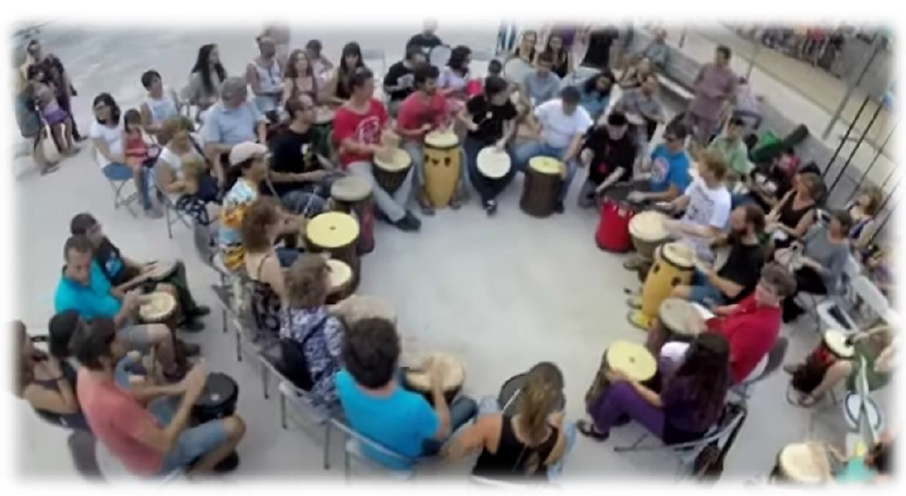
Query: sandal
[(587, 429)]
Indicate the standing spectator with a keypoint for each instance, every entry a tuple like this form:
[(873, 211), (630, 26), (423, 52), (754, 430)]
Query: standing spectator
[(265, 76), (426, 40), (399, 82), (715, 89), (30, 124), (54, 71), (206, 78), (280, 34), (59, 121), (600, 40), (747, 105)]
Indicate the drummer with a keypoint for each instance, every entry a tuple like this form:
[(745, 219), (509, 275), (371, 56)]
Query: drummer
[(421, 112), (491, 121), (125, 273), (563, 123), (299, 165), (688, 404), (399, 82), (608, 151), (643, 102), (152, 441), (376, 405), (358, 126)]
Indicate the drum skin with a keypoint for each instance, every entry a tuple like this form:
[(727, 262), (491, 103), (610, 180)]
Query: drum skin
[(443, 165), (644, 245), (613, 227), (668, 328), (664, 275), (337, 224), (391, 176)]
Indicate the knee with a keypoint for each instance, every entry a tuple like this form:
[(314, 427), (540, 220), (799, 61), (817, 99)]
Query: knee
[(159, 333), (235, 427)]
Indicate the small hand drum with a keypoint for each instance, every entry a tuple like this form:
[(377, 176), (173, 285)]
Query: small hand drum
[(632, 359), (160, 307), (835, 341)]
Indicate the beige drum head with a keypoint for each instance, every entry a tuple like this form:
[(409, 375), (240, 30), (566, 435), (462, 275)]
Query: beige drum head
[(162, 269), (836, 341), (493, 163), (324, 115), (632, 359), (675, 314), (648, 226), (679, 254), (333, 230), (394, 160), (805, 463), (451, 368), (443, 140), (360, 307), (160, 306), (340, 274), (546, 165), (350, 189)]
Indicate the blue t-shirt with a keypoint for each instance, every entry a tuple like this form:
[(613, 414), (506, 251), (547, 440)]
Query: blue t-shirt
[(669, 168), (400, 422), (92, 301)]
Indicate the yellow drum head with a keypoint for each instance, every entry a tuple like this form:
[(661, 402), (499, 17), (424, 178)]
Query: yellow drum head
[(632, 359), (836, 341), (160, 306), (648, 226), (493, 163), (438, 139), (451, 369), (546, 165), (679, 254), (392, 161), (340, 274), (350, 189), (333, 230)]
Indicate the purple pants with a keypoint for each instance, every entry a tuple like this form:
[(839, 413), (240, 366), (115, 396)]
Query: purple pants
[(621, 399)]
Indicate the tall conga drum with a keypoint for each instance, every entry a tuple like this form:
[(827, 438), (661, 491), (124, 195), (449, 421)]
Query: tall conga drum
[(340, 281), (443, 165), (391, 168), (613, 226), (672, 324), (542, 182), (353, 195), (647, 231), (802, 463), (673, 265), (452, 370), (630, 358), (335, 233)]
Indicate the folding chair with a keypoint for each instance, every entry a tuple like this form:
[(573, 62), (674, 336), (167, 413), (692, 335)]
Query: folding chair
[(774, 360), (303, 403), (171, 213), (352, 447), (376, 54), (120, 180)]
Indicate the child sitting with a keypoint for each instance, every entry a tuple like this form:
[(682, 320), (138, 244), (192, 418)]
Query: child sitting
[(139, 149)]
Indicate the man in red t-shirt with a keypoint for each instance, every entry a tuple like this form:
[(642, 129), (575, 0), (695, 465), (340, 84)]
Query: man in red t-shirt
[(423, 111), (357, 128), (149, 440)]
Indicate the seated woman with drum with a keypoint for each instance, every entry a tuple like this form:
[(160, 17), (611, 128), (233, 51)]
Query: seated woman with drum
[(525, 441), (311, 339), (838, 358), (797, 211), (261, 226), (688, 404), (864, 210), (125, 274)]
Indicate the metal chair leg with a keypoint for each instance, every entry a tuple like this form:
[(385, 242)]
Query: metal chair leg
[(622, 449), (264, 381), (238, 345), (327, 446), (283, 411), (169, 224), (346, 473), (224, 315)]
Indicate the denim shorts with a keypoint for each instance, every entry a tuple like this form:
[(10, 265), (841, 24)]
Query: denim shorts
[(702, 290), (136, 337)]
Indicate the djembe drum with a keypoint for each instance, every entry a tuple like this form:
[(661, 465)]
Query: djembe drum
[(647, 232), (360, 307), (161, 269), (335, 233), (673, 265), (630, 358), (672, 324), (353, 195), (613, 226), (492, 163), (160, 308), (391, 169), (452, 370), (340, 281), (833, 347), (802, 463), (217, 401), (542, 182), (443, 165)]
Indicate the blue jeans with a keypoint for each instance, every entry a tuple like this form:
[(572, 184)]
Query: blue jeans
[(305, 203), (462, 410), (703, 292), (287, 256), (122, 172), (523, 153)]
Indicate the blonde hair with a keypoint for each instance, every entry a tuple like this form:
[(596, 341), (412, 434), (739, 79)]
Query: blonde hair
[(306, 285), (715, 162), (173, 125), (538, 398), (194, 165)]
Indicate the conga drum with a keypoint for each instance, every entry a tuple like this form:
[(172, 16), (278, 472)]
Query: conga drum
[(672, 324), (542, 182), (353, 196), (391, 169), (673, 265), (613, 226), (802, 463), (217, 401), (161, 308), (340, 281), (630, 358), (511, 393), (335, 233), (443, 165), (452, 370), (647, 231)]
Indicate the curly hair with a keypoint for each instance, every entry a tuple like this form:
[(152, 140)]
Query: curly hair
[(260, 216), (371, 351), (306, 282)]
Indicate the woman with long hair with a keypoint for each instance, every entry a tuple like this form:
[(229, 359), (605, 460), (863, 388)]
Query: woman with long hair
[(595, 93), (526, 49), (688, 404), (454, 77), (299, 77), (339, 89), (796, 212), (636, 74), (525, 444), (206, 77), (260, 229), (864, 210), (563, 60)]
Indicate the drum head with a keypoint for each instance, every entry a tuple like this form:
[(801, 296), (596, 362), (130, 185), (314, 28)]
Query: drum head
[(517, 69), (160, 307), (451, 368), (360, 307), (333, 230), (324, 115), (162, 269), (350, 189), (493, 163), (546, 165), (805, 463), (679, 254), (836, 341), (632, 359), (439, 55), (675, 314), (648, 226), (218, 390), (441, 139), (392, 161), (340, 274)]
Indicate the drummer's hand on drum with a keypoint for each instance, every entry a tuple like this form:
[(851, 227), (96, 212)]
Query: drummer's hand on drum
[(471, 126), (615, 375)]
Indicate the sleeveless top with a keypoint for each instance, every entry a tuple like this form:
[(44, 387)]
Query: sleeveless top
[(162, 108), (513, 455), (70, 420), (265, 303), (269, 79), (791, 217), (561, 69)]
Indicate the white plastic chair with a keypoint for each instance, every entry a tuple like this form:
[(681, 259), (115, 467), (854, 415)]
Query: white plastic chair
[(352, 447)]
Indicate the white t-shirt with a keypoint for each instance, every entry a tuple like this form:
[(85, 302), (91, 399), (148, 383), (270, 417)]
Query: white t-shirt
[(558, 129), (174, 162), (112, 136), (707, 207)]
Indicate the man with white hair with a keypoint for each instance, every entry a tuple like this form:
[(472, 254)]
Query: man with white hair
[(231, 121), (426, 40)]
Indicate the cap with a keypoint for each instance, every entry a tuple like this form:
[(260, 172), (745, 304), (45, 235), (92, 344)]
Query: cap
[(246, 150)]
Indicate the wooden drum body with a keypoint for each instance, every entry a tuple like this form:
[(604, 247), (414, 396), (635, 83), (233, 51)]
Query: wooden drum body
[(672, 324), (443, 165), (453, 371), (673, 265), (542, 181), (391, 171), (647, 232), (353, 195), (335, 233)]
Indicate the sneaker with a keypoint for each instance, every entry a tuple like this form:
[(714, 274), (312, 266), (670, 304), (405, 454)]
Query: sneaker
[(409, 223), (427, 209), (559, 208), (190, 349), (201, 311), (228, 464), (490, 207)]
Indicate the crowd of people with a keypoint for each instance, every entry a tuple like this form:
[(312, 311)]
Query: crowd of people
[(267, 164)]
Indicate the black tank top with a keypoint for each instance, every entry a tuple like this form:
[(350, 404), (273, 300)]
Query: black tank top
[(790, 217), (70, 420), (512, 455)]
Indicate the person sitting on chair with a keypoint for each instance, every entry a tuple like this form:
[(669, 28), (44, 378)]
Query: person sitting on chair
[(874, 466), (644, 105), (635, 75), (125, 274), (657, 51), (205, 80), (740, 272), (453, 79), (399, 82), (596, 92), (797, 211), (377, 406), (183, 172), (864, 211), (609, 152), (339, 89), (231, 121), (541, 85), (523, 445), (84, 289), (47, 384), (688, 404), (322, 65), (734, 151), (311, 339), (160, 105), (299, 78), (669, 171), (141, 427)]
